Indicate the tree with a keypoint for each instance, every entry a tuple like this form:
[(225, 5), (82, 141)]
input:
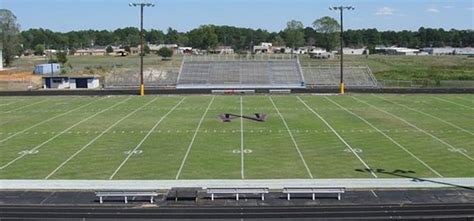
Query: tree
[(146, 49), (10, 42), (278, 41), (165, 52), (61, 57), (109, 49), (204, 37), (329, 29), (294, 35), (39, 49)]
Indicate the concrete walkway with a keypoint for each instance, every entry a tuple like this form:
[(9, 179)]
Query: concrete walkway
[(273, 183)]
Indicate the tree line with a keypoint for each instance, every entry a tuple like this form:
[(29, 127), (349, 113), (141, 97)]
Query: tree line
[(324, 33)]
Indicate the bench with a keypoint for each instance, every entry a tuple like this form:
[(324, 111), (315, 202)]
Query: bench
[(125, 195), (313, 191), (237, 191)]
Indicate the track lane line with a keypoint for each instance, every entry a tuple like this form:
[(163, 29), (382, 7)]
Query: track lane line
[(426, 114), (339, 136), (452, 102), (414, 126), (97, 137), (292, 138), (144, 138), (193, 138), (387, 136), (49, 119), (61, 133)]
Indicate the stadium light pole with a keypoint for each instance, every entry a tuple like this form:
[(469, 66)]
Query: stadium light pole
[(341, 10), (141, 5)]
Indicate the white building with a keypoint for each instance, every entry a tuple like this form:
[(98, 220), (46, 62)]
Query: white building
[(354, 51), (399, 51), (440, 51), (65, 82), (320, 53), (263, 48), (465, 51)]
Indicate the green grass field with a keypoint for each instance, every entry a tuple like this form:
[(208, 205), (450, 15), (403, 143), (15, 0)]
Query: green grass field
[(182, 137)]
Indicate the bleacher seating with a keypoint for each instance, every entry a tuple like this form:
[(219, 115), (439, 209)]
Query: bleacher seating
[(330, 76), (240, 74)]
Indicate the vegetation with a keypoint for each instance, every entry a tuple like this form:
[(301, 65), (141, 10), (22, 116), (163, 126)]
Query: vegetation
[(329, 28), (10, 32), (165, 52), (270, 151), (294, 35)]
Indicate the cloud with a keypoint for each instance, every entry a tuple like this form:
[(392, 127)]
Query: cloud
[(432, 10), (385, 11)]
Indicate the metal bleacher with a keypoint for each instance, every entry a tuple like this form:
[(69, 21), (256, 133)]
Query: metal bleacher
[(355, 77), (235, 74)]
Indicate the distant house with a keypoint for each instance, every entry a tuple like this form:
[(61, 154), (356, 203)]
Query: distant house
[(263, 48), (465, 51), (70, 82), (94, 51), (222, 50), (399, 51), (319, 53), (155, 48), (440, 51), (184, 50), (47, 68)]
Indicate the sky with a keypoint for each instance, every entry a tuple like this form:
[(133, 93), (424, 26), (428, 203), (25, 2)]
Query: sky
[(271, 15)]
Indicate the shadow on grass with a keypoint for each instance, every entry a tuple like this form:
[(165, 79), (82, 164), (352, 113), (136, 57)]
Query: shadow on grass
[(411, 175)]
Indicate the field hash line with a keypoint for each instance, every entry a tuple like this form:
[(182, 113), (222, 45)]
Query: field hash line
[(47, 120), (452, 102), (414, 126), (194, 138), (145, 138), (96, 138), (426, 114), (292, 138), (62, 132), (242, 174), (25, 106), (338, 136), (385, 135)]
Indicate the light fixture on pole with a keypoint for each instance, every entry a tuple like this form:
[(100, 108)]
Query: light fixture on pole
[(341, 10), (141, 5)]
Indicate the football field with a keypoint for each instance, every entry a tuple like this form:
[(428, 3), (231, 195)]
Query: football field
[(236, 137)]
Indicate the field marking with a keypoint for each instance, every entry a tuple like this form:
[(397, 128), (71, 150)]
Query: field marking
[(144, 138), (49, 119), (242, 139), (414, 126), (96, 138), (385, 135), (292, 138), (19, 108), (338, 136), (62, 132), (11, 102), (452, 102), (427, 114), (194, 138), (462, 98)]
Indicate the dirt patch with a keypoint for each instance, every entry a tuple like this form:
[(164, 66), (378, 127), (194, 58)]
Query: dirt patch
[(12, 80)]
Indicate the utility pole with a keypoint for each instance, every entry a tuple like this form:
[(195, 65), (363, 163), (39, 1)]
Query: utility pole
[(341, 52), (142, 53)]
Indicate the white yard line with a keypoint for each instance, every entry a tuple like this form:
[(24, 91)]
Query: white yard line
[(144, 138), (61, 133), (49, 119), (388, 137), (11, 102), (194, 138), (96, 138), (19, 108), (414, 126), (452, 102), (292, 138), (242, 174), (464, 99), (339, 136), (426, 114)]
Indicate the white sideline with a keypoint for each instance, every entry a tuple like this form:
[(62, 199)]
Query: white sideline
[(19, 108), (414, 126), (242, 174), (61, 133), (451, 102), (96, 138), (144, 138), (122, 185), (424, 113), (194, 137), (292, 138), (49, 119), (339, 136), (388, 137)]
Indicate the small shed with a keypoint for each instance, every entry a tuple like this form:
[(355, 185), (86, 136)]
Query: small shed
[(47, 68), (71, 82)]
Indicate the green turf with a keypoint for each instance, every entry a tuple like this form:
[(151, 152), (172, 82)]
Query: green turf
[(90, 137)]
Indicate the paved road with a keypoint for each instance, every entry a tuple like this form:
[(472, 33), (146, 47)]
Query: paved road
[(445, 211)]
